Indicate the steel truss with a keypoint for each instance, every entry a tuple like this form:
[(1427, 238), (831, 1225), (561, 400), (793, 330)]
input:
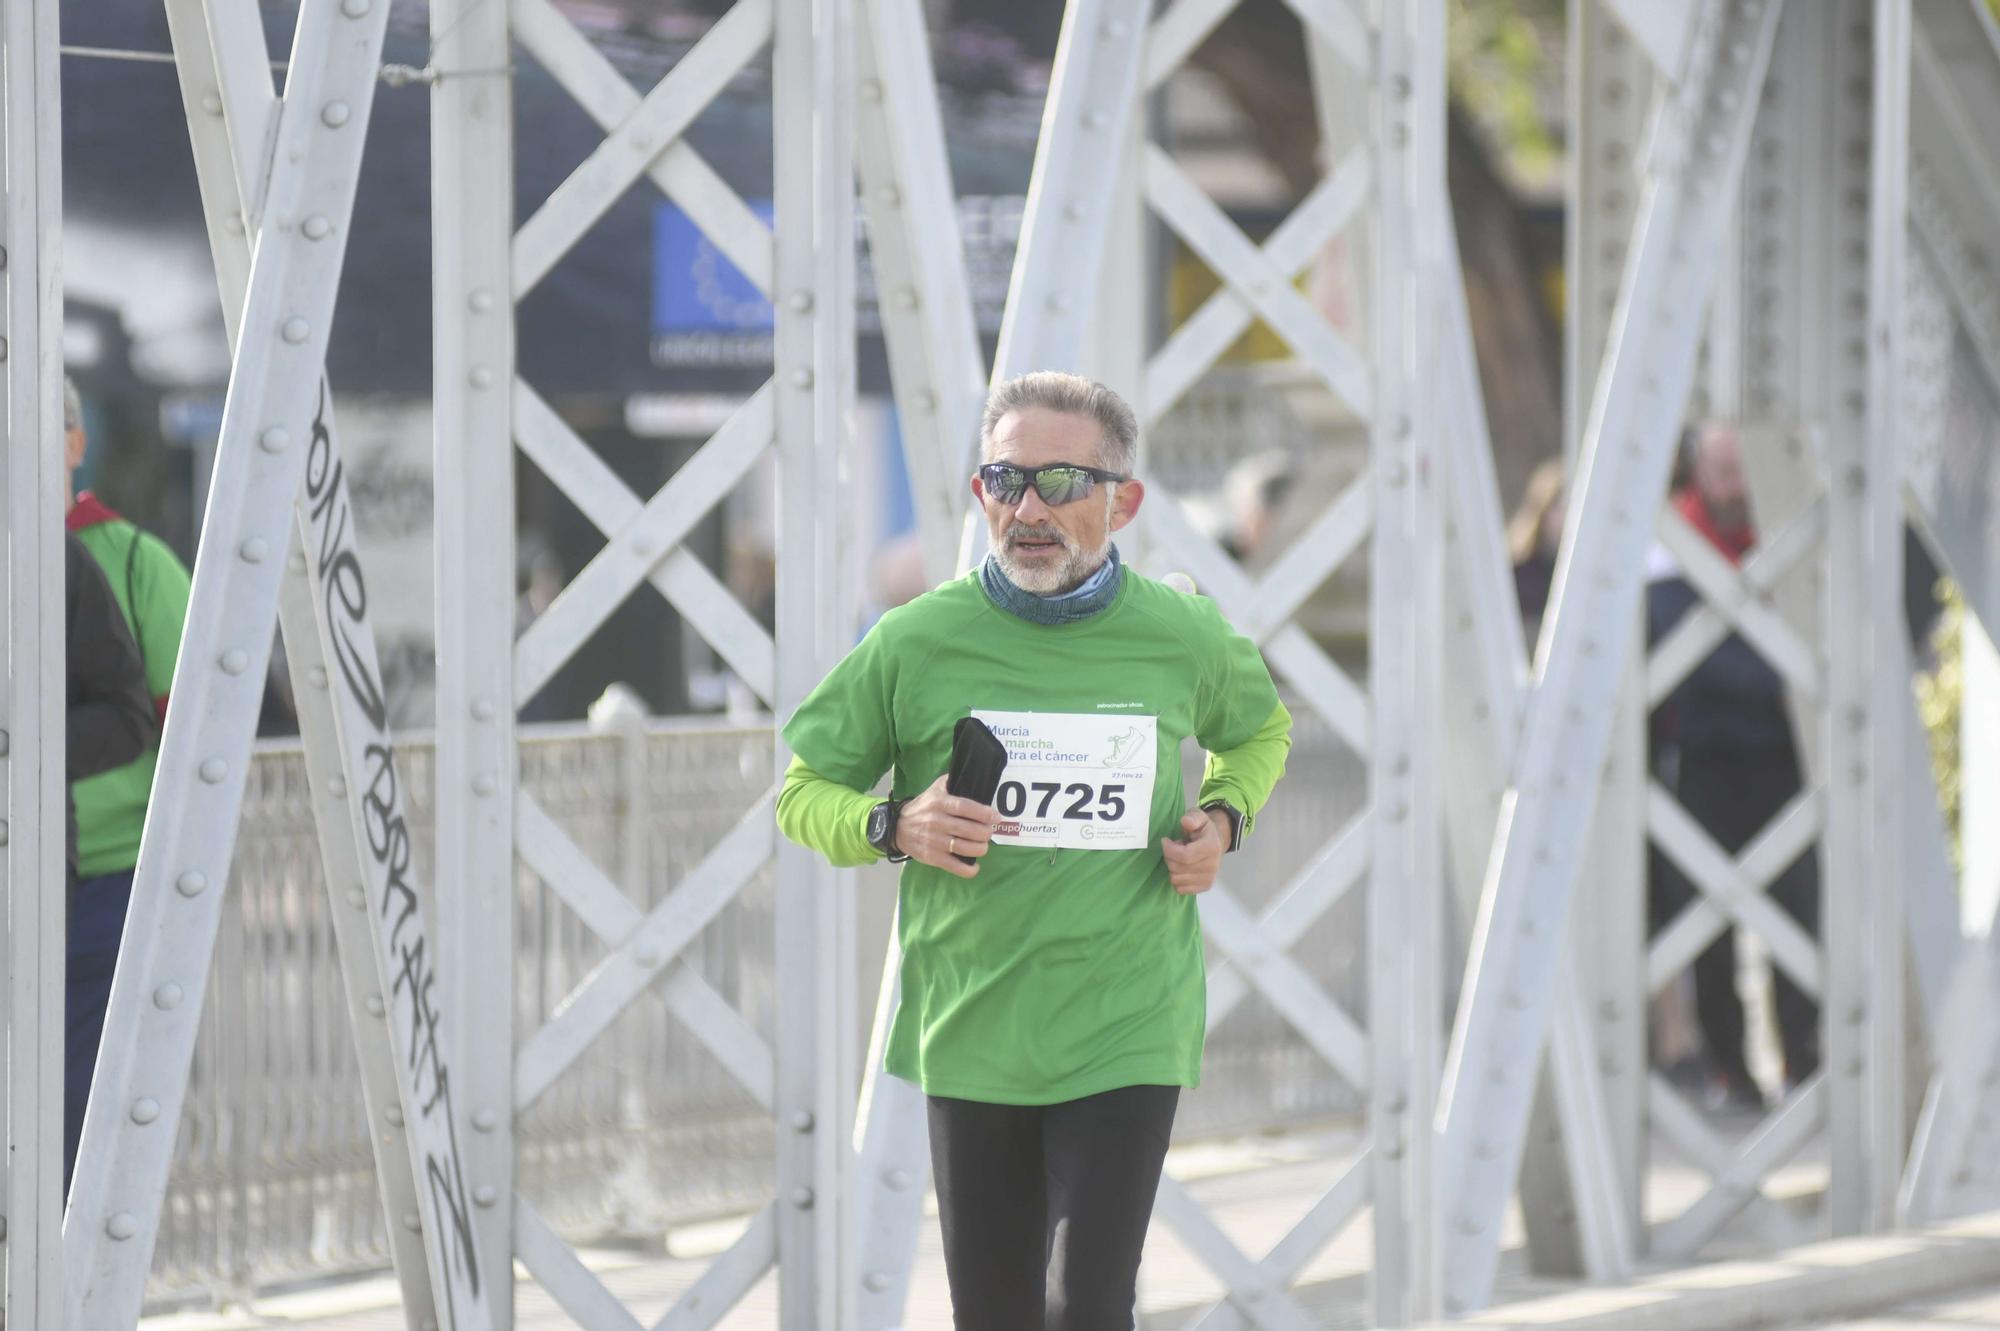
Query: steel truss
[(32, 780), (1808, 338)]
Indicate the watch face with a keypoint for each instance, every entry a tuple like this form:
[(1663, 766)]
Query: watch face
[(878, 825)]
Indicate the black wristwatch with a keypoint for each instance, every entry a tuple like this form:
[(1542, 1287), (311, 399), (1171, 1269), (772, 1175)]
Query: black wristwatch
[(1235, 816), (882, 829)]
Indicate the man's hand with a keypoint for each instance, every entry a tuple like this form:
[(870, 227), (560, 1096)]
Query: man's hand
[(1193, 860), (935, 828)]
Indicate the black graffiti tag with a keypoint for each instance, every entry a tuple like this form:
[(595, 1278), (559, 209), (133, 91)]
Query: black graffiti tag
[(341, 582), (414, 981)]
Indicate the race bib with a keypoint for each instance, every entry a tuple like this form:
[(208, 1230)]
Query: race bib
[(1075, 780)]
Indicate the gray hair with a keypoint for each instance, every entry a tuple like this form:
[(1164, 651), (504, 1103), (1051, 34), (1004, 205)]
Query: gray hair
[(1072, 395), (72, 405)]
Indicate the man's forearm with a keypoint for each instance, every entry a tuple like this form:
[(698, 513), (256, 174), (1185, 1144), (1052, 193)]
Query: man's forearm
[(1246, 774), (823, 815)]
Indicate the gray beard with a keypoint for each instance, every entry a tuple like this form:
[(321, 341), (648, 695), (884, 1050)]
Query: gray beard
[(1053, 579)]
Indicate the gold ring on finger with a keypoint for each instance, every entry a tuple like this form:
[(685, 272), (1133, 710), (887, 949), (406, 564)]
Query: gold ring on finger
[(954, 846)]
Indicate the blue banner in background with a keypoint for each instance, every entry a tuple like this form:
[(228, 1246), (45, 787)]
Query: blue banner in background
[(695, 287)]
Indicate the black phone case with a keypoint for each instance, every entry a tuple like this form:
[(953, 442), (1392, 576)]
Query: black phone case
[(977, 760)]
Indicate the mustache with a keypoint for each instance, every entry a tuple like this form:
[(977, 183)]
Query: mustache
[(1024, 531)]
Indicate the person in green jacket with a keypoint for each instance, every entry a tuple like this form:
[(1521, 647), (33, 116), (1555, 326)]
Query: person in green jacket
[(1053, 991), (150, 585)]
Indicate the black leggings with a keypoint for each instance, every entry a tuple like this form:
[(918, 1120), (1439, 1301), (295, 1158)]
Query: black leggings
[(1044, 1207)]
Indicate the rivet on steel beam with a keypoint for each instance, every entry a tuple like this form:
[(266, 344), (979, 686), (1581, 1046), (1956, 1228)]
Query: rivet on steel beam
[(642, 142), (802, 378), (875, 1282), (357, 898), (167, 997), (802, 1198), (484, 784), (336, 786), (871, 90), (3, 349), (316, 228), (233, 224), (1117, 30), (647, 955), (274, 440), (485, 1120), (192, 883), (897, 1179), (6, 744), (213, 770), (1469, 1226), (374, 1005), (296, 330), (802, 1121), (316, 676), (890, 196), (480, 301), (354, 8), (412, 1223), (297, 563), (482, 709), (211, 102), (907, 298), (3, 832), (481, 377), (145, 1109), (1486, 1149), (1095, 119), (253, 550), (234, 661), (1073, 212), (1857, 1014), (334, 114), (485, 1194), (394, 1113), (122, 1226)]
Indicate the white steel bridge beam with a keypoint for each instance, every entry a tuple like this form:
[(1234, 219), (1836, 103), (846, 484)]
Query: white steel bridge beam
[(32, 740), (1497, 1041), (271, 438)]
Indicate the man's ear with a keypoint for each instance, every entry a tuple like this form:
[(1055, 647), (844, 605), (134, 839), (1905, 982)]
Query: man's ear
[(1125, 501), (978, 491)]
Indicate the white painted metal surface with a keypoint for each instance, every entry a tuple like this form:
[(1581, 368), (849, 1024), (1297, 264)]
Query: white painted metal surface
[(231, 172), (1698, 151), (269, 430), (813, 367), (32, 756)]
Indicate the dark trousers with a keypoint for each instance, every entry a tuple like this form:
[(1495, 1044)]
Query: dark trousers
[(1733, 795), (96, 922), (1044, 1207)]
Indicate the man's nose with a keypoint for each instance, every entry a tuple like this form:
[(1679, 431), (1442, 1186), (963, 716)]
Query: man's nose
[(1031, 508)]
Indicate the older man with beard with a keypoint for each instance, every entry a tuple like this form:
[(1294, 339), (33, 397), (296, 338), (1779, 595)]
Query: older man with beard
[(1053, 993)]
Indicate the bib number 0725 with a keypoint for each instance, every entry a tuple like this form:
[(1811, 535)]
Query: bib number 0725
[(1078, 800)]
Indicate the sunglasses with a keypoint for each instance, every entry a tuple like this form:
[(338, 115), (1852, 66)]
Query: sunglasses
[(1058, 483)]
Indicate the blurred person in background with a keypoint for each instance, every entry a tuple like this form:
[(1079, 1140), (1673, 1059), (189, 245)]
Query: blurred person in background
[(1738, 766), (146, 587), (1534, 534)]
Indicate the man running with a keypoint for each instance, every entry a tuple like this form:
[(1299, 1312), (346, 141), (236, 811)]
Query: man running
[(1053, 992)]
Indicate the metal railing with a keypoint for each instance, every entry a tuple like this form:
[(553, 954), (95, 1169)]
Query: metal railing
[(273, 1179)]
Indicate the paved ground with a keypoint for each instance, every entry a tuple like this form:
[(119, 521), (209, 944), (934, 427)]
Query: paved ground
[(1956, 1312), (1256, 1189)]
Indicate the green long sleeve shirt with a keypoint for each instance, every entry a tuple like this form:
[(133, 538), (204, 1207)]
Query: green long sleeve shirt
[(1068, 965)]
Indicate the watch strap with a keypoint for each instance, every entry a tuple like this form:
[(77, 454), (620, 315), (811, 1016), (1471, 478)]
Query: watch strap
[(1235, 817)]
